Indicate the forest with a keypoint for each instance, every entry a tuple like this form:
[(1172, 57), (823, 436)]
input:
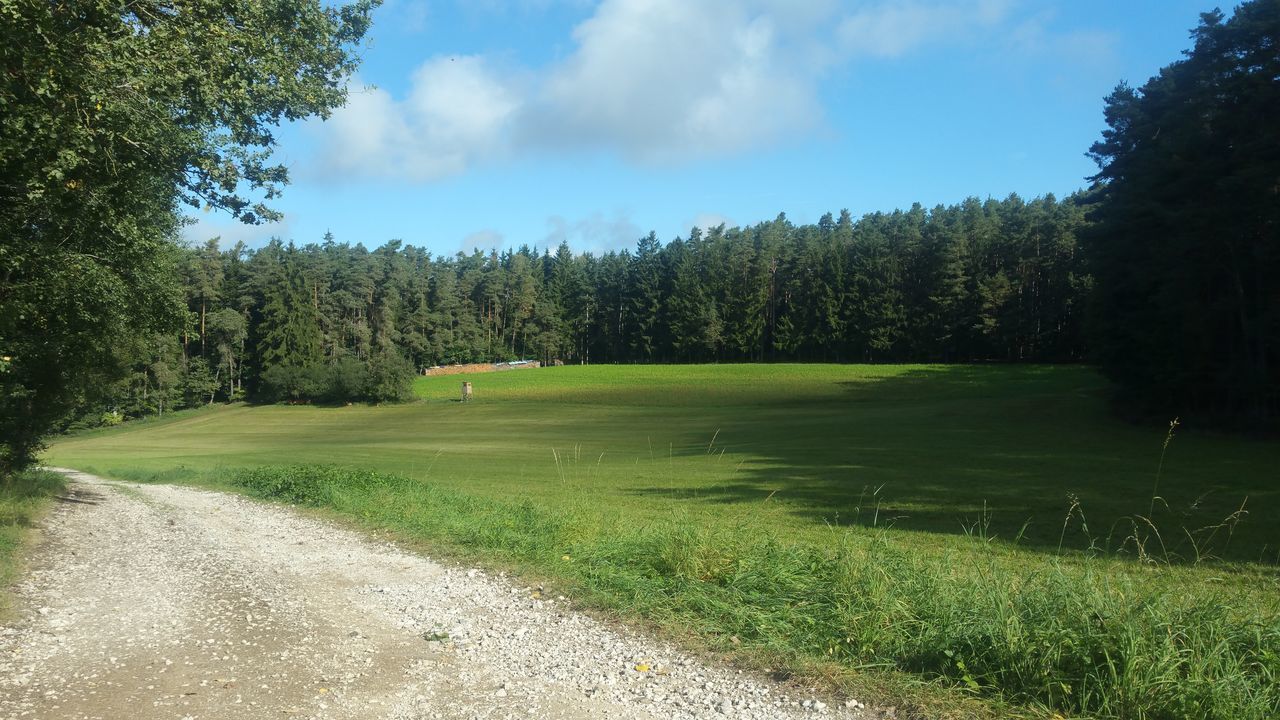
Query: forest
[(329, 321)]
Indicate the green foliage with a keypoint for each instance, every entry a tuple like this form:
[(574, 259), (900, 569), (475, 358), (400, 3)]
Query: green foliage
[(307, 485), (348, 379), (1186, 249), (111, 117), (336, 322), (390, 377), (289, 382)]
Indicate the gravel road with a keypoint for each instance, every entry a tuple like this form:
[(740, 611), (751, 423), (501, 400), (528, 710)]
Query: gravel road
[(155, 601)]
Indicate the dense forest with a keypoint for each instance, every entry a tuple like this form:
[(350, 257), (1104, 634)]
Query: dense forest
[(1185, 242), (994, 280)]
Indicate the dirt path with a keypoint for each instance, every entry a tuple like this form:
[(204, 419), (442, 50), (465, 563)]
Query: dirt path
[(154, 601)]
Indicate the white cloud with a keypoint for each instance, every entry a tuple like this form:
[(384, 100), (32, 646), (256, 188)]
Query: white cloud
[(893, 28), (656, 81), (1077, 51), (407, 16), (457, 111), (595, 233), (230, 231), (664, 80), (707, 221), (483, 240)]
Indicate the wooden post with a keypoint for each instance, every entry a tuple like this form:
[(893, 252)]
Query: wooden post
[(466, 391)]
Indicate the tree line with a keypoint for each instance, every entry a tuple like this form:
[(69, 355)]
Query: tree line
[(995, 280)]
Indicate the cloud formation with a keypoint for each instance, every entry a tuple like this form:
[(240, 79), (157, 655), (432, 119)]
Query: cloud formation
[(229, 231), (892, 28), (708, 221), (482, 240), (457, 112), (656, 81), (595, 233), (665, 80)]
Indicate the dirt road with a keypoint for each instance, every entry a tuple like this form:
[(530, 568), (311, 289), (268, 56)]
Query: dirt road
[(154, 601)]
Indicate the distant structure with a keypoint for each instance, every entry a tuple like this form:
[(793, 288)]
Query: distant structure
[(471, 368)]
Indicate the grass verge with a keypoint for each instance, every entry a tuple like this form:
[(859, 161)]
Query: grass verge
[(24, 498), (1079, 635)]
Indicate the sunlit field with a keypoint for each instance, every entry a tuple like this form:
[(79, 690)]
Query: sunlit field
[(990, 529), (796, 448)]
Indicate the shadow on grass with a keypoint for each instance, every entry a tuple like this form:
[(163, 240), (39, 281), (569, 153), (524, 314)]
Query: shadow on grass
[(1025, 454)]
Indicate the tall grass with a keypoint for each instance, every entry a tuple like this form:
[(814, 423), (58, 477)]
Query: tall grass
[(1073, 634)]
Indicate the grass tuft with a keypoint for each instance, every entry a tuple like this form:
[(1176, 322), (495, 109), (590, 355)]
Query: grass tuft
[(24, 498)]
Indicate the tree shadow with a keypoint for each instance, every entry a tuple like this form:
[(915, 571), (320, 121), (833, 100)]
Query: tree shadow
[(81, 496), (1022, 453)]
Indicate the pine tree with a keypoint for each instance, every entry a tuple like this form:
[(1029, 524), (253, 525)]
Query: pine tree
[(1186, 252)]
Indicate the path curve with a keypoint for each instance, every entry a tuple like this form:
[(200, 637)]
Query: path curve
[(156, 601)]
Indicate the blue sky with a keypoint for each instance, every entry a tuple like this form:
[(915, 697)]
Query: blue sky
[(485, 123)]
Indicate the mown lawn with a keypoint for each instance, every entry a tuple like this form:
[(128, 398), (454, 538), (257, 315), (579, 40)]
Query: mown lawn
[(991, 529), (796, 448)]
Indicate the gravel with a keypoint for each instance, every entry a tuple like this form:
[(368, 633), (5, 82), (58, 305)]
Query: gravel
[(155, 601)]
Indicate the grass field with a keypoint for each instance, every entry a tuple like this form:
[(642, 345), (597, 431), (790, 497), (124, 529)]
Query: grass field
[(751, 502), (798, 448)]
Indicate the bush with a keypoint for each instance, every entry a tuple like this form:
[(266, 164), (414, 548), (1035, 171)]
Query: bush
[(346, 381), (390, 377), (313, 485), (387, 377), (293, 382)]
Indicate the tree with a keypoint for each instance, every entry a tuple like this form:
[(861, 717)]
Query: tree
[(1186, 247), (112, 116), (228, 330), (645, 297), (290, 343)]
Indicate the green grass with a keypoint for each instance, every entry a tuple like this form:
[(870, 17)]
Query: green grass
[(832, 518), (797, 448), (23, 500)]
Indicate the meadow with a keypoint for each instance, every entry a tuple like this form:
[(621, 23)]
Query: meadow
[(796, 448), (990, 528)]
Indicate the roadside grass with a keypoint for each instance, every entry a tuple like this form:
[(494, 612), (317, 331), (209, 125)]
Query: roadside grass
[(1086, 636), (852, 521), (24, 499)]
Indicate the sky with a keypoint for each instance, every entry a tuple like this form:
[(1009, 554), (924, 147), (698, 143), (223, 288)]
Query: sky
[(490, 124)]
